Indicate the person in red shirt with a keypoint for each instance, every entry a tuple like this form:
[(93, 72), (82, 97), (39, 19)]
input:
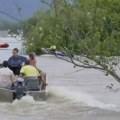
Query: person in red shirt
[(32, 60)]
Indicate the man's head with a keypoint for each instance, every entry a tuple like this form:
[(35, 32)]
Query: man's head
[(15, 52), (27, 62), (5, 64)]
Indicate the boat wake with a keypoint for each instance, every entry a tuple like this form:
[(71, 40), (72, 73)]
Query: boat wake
[(58, 98), (80, 98)]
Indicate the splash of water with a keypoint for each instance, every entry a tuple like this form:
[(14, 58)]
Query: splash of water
[(79, 97)]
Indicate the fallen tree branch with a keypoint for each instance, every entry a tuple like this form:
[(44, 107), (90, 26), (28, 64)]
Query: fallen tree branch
[(85, 66), (101, 68)]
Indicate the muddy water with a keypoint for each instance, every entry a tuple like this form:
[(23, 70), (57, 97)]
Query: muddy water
[(70, 95)]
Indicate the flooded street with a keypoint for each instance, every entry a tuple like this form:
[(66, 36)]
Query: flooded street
[(70, 95)]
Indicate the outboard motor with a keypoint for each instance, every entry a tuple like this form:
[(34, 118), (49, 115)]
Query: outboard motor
[(20, 88)]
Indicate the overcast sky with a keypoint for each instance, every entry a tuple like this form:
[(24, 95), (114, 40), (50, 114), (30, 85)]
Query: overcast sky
[(27, 8)]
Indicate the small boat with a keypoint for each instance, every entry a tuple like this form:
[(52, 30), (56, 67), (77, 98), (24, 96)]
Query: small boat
[(30, 87), (4, 45), (53, 52)]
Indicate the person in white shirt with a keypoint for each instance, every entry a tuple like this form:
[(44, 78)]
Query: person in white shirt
[(6, 75)]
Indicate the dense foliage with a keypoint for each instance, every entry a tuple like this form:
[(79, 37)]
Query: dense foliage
[(83, 26), (88, 28)]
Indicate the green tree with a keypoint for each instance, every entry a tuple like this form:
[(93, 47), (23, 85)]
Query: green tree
[(85, 27)]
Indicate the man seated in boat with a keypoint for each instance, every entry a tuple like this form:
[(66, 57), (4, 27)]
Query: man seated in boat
[(15, 61), (28, 71), (6, 75)]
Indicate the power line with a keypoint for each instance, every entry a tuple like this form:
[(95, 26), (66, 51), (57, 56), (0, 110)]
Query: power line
[(4, 13)]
